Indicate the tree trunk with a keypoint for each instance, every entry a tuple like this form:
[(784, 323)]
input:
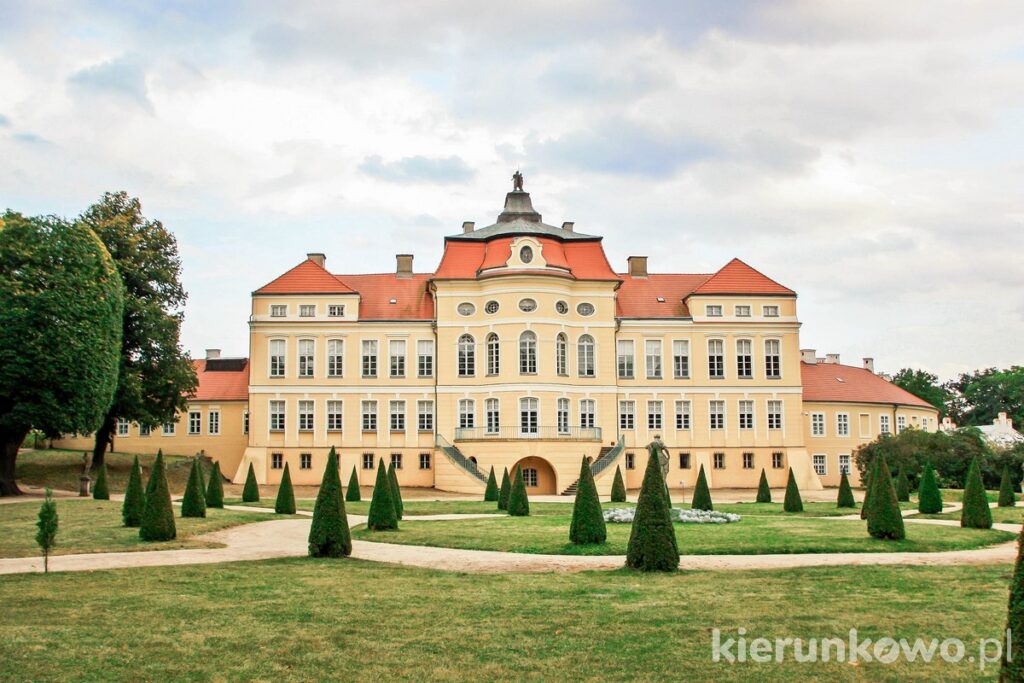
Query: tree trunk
[(11, 441), (104, 438)]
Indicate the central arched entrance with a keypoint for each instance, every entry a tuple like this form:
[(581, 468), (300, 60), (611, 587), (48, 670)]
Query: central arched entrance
[(538, 475)]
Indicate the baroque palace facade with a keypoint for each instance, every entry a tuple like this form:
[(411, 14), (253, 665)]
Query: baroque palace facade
[(525, 347)]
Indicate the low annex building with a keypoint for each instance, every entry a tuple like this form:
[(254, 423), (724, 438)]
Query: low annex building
[(525, 347)]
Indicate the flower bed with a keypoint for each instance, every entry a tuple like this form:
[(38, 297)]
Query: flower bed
[(686, 516)]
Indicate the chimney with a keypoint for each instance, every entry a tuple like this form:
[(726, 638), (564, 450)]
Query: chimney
[(567, 226), (467, 227), (319, 259), (212, 354), (403, 265), (808, 356), (832, 358), (869, 365), (637, 266)]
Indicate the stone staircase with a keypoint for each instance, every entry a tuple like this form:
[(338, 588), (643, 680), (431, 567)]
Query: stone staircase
[(607, 456), (458, 459)]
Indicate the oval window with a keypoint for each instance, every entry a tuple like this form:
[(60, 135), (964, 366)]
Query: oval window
[(466, 308), (562, 307), (527, 305), (491, 307), (526, 254), (585, 309)]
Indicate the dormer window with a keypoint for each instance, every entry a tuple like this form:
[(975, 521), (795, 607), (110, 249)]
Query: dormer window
[(713, 310), (771, 311), (278, 311), (526, 254), (336, 310)]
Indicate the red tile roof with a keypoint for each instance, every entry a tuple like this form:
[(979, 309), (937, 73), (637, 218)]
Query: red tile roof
[(585, 260), (412, 301), (220, 385), (306, 278), (832, 382), (736, 277), (638, 296)]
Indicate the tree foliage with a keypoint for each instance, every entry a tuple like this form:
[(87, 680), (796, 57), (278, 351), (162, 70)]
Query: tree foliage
[(925, 386), (885, 520), (793, 502), (383, 515), (46, 528), (352, 493), (518, 502), (251, 490), (976, 513), (396, 492), (329, 535), (764, 492), (618, 487), (100, 490), (285, 502), (845, 498), (950, 455), (157, 514), (1006, 496), (701, 492), (929, 497), (980, 396), (505, 491), (134, 497), (587, 516), (902, 487), (652, 538), (491, 492), (193, 504), (1013, 665), (215, 488)]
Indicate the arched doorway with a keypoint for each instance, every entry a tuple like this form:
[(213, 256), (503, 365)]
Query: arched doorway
[(538, 475)]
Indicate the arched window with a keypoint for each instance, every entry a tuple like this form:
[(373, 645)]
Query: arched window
[(493, 357), (467, 356), (528, 353), (585, 356), (561, 354)]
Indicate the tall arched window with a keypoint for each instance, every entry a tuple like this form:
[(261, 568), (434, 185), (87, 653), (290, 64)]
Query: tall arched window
[(585, 356), (561, 354), (467, 356), (528, 353), (493, 357)]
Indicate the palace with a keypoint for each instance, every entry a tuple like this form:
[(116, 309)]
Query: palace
[(525, 347)]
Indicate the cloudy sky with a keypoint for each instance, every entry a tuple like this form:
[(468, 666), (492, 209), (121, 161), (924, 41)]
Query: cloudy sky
[(866, 154)]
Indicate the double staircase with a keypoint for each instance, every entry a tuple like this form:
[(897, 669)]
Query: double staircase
[(458, 459), (607, 456)]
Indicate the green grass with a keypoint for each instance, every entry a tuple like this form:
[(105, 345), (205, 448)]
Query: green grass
[(752, 535), (94, 526), (60, 469), (349, 620), (957, 495), (1014, 515)]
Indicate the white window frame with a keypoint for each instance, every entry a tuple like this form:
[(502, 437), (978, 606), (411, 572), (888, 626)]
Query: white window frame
[(884, 424), (396, 358), (586, 356), (770, 311), (335, 415), (625, 359), (842, 424), (213, 422), (425, 358), (276, 461), (652, 358), (562, 415), (123, 426), (335, 310), (773, 359), (818, 424), (716, 414), (529, 416), (713, 310), (683, 415), (307, 310), (844, 463), (277, 354), (277, 410), (819, 461), (655, 414), (561, 355), (528, 353), (681, 358), (306, 411), (335, 357), (278, 310), (396, 415), (492, 415), (467, 413), (744, 359), (588, 410), (369, 359), (195, 422), (465, 355), (368, 415), (745, 415), (492, 345), (716, 358), (627, 415), (425, 416), (774, 414), (306, 350)]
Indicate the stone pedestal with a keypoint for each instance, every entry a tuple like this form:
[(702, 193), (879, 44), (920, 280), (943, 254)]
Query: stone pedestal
[(83, 486)]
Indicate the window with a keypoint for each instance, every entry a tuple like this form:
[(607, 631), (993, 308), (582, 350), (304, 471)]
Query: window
[(122, 426), (817, 424), (713, 310), (748, 461), (842, 424), (530, 476), (883, 424), (526, 254), (652, 358), (305, 358), (369, 415), (213, 422), (466, 308), (585, 309), (682, 414), (901, 423), (681, 359), (335, 419), (561, 355), (367, 461), (626, 417), (424, 461), (527, 305), (772, 362), (467, 414), (425, 358), (467, 356), (819, 465), (195, 422), (716, 358), (561, 307), (276, 461), (630, 461), (744, 359), (587, 410), (774, 414), (305, 416), (924, 423), (396, 411), (746, 415), (245, 422), (585, 356), (491, 307), (743, 311), (369, 358), (336, 311), (716, 414), (844, 463), (396, 357), (625, 359), (277, 358), (684, 461), (528, 417), (305, 461), (278, 311), (145, 430), (528, 353), (492, 415), (776, 461), (307, 310), (425, 416), (335, 358), (396, 460), (718, 461), (493, 354), (654, 414), (562, 415), (771, 311), (277, 416)]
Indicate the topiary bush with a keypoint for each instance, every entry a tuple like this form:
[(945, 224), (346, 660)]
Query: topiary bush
[(1006, 496), (587, 517), (396, 493), (215, 488), (652, 538), (793, 502), (285, 503), (505, 491), (329, 535), (100, 490), (867, 491), (202, 477), (902, 487), (157, 514), (929, 497), (1013, 669), (382, 515), (193, 504), (352, 493), (134, 498), (701, 493), (251, 490), (845, 499), (491, 492), (764, 492), (518, 503), (976, 513), (618, 487), (884, 518)]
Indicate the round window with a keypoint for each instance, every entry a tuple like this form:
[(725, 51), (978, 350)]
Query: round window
[(491, 307), (562, 307), (585, 309), (466, 308), (527, 305), (526, 254)]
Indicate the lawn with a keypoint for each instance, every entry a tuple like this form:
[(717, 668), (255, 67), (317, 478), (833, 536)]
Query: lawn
[(60, 469), (752, 535), (301, 619), (94, 526), (1014, 515)]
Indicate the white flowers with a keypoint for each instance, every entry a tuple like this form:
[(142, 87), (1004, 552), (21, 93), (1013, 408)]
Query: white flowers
[(686, 516)]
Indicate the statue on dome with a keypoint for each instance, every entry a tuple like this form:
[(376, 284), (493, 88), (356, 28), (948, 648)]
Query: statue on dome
[(517, 181)]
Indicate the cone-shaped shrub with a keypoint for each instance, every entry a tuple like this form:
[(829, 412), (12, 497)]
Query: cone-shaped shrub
[(518, 503), (157, 514), (701, 493), (396, 493), (285, 503), (764, 492), (793, 501), (382, 515), (101, 492), (902, 486), (215, 488), (618, 487), (251, 490), (194, 502), (506, 490), (134, 498), (491, 492), (884, 518), (846, 499), (1006, 497), (929, 497), (652, 539), (1013, 669), (976, 513), (329, 535), (352, 493), (867, 490), (151, 484), (587, 517), (202, 477)]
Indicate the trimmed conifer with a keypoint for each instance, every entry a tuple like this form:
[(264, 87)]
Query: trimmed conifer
[(845, 499), (929, 497), (518, 503), (701, 492), (134, 498), (285, 503), (382, 515), (491, 492), (618, 487), (251, 490), (396, 493), (867, 489), (47, 523), (764, 492), (352, 493), (329, 535), (193, 504), (202, 477), (793, 502), (884, 518), (215, 488), (1006, 496), (99, 489), (652, 538), (587, 517), (902, 486), (1013, 666), (151, 484), (157, 514), (976, 513), (505, 491)]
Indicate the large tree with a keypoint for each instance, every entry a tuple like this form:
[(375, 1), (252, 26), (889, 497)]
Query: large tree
[(925, 386), (61, 303), (156, 375), (979, 397)]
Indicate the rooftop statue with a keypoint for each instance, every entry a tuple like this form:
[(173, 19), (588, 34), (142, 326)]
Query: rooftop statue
[(517, 181)]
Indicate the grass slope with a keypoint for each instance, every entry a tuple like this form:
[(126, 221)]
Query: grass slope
[(60, 469)]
